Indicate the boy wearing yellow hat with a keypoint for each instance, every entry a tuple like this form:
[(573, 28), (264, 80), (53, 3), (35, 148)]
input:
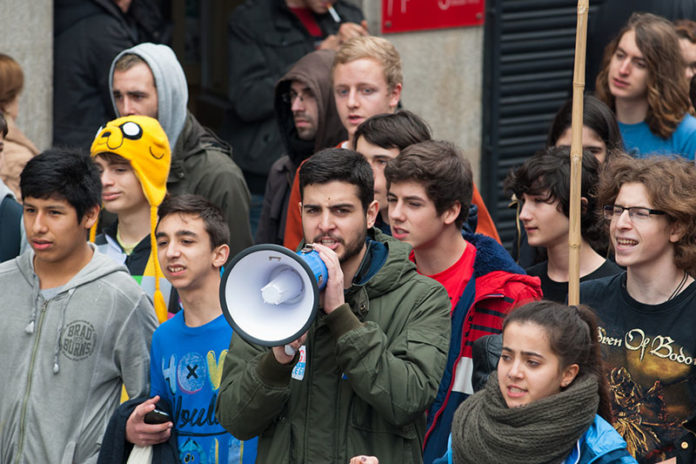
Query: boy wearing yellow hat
[(133, 156)]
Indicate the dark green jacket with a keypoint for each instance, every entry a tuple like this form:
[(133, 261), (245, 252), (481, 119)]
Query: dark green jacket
[(373, 367), (202, 164)]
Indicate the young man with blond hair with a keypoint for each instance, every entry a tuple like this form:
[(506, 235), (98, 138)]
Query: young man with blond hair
[(367, 81)]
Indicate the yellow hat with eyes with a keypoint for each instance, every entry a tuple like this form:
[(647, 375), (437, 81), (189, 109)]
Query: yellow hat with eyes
[(142, 141)]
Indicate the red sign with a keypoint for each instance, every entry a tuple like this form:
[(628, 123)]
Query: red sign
[(419, 15)]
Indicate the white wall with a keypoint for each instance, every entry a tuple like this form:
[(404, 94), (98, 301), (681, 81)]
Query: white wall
[(27, 36), (442, 79)]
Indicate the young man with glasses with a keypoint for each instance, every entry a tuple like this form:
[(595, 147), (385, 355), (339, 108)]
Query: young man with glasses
[(647, 312)]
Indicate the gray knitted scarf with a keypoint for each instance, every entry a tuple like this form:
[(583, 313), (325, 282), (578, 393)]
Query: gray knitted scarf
[(486, 430)]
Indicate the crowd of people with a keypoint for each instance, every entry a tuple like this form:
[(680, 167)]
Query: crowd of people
[(433, 343)]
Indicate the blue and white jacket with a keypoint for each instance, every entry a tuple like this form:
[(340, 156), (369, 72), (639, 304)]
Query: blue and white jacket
[(601, 444)]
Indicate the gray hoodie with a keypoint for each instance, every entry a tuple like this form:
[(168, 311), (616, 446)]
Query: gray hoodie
[(63, 360), (172, 92)]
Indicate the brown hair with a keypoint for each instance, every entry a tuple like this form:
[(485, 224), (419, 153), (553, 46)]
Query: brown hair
[(3, 128), (112, 158), (668, 93), (596, 116), (11, 80), (196, 205), (127, 61), (686, 29), (377, 48), (441, 169), (671, 187), (392, 130)]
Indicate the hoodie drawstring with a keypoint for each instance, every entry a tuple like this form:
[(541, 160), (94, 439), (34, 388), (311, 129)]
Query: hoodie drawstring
[(63, 309), (35, 298)]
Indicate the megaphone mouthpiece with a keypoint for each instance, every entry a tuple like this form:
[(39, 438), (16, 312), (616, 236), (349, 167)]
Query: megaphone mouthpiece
[(285, 286)]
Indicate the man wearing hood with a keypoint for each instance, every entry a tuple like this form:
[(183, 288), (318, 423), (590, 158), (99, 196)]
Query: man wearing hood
[(308, 122), (88, 34), (148, 80), (265, 38), (76, 326)]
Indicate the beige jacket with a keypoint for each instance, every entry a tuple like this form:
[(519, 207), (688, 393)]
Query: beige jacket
[(17, 152)]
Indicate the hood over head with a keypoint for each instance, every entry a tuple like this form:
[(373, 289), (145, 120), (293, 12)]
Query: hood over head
[(314, 69), (141, 141), (170, 81)]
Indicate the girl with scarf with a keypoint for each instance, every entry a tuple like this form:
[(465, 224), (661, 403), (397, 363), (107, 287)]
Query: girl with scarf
[(548, 402)]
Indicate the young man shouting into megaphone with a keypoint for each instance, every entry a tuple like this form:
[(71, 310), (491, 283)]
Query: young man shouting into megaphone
[(371, 362)]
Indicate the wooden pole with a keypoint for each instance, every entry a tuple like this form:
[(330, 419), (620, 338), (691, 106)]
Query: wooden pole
[(574, 235)]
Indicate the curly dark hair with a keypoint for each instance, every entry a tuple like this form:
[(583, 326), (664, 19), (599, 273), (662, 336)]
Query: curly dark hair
[(548, 172)]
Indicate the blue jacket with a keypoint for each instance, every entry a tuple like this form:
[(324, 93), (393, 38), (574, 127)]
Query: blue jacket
[(601, 444), (497, 286)]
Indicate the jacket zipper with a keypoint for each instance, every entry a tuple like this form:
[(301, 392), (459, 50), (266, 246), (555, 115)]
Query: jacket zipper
[(308, 378), (25, 400)]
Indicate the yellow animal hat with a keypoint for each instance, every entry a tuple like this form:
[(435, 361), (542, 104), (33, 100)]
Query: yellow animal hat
[(142, 141)]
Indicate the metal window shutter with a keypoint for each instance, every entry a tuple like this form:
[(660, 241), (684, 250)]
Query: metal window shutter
[(529, 49)]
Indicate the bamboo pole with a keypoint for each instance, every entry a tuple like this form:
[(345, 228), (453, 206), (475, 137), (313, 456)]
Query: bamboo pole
[(574, 235)]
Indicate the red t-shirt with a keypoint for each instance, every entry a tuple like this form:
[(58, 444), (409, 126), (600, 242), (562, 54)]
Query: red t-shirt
[(307, 19), (457, 276)]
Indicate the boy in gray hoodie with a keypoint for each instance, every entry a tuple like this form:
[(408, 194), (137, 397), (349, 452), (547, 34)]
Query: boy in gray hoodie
[(75, 324)]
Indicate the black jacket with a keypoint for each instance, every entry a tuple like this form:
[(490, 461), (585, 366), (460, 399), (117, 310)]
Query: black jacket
[(265, 40), (115, 449), (87, 37), (10, 228)]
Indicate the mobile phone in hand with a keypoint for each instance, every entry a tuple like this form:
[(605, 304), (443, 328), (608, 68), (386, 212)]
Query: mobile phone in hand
[(156, 416)]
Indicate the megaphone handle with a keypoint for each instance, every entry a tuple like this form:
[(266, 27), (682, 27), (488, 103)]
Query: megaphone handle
[(289, 350)]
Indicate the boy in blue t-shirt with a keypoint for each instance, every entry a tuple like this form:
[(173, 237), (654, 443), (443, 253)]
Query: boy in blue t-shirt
[(187, 350)]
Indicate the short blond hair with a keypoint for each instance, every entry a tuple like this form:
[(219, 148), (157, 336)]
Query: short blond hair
[(377, 48), (127, 61)]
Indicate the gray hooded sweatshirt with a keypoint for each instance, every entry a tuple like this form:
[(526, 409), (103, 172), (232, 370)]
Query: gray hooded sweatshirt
[(63, 360), (172, 92), (201, 163)]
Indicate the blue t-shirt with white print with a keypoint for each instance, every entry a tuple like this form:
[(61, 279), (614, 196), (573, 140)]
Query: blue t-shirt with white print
[(186, 369)]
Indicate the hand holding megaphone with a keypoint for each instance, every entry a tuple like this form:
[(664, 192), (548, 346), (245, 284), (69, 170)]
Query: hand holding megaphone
[(332, 296), (286, 353)]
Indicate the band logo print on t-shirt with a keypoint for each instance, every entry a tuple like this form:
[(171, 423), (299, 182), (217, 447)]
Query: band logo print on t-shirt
[(649, 380)]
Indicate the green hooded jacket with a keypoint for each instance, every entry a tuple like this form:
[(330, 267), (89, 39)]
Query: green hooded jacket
[(372, 368)]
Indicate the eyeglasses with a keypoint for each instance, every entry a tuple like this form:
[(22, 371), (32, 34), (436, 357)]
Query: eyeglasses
[(289, 97), (635, 213)]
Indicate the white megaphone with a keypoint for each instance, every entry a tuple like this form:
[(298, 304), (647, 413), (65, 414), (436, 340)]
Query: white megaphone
[(270, 295)]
